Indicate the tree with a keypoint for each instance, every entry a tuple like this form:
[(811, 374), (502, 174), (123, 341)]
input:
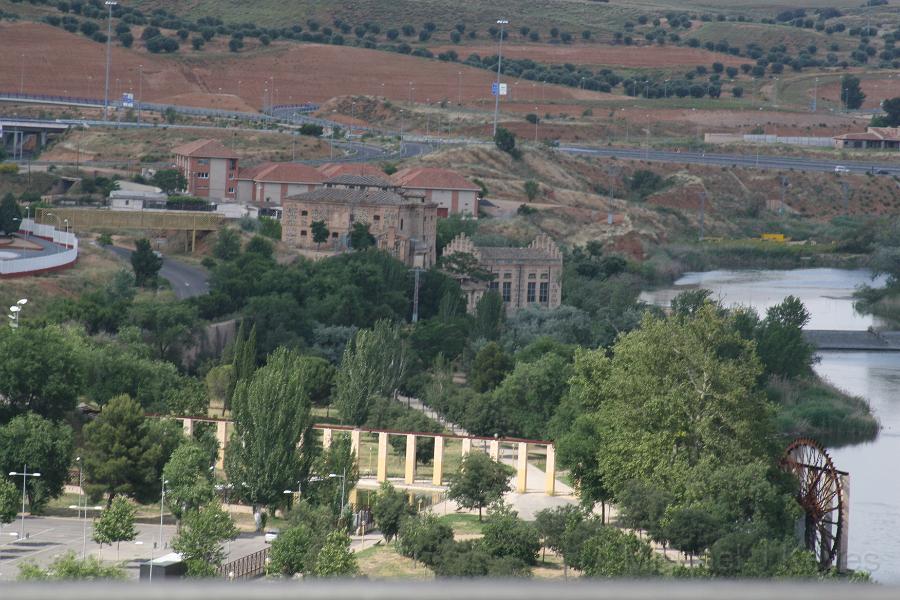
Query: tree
[(737, 91), (505, 140), (335, 558), (479, 482), (422, 537), (200, 539), (532, 189), (506, 535), (552, 524), (46, 447), (372, 365), (190, 480), (360, 238), (228, 244), (9, 501), (271, 415), (531, 393), (891, 118), (69, 568), (10, 214), (116, 524), (852, 95), (490, 316), (294, 551), (779, 339), (166, 325), (41, 371), (320, 232), (490, 366), (389, 510), (613, 553), (169, 180), (145, 263), (318, 378), (691, 530)]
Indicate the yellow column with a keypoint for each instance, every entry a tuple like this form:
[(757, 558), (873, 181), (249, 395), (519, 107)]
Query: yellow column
[(326, 438), (354, 444), (466, 446), (351, 497), (381, 474), (550, 483), (438, 461), (188, 425), (410, 470), (522, 468), (494, 450), (222, 438)]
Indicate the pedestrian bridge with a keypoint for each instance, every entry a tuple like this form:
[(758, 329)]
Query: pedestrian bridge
[(864, 341)]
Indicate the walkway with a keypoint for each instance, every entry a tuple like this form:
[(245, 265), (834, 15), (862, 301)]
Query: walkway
[(187, 281), (883, 341)]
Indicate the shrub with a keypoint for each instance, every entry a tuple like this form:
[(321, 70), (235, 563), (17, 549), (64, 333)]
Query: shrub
[(422, 537)]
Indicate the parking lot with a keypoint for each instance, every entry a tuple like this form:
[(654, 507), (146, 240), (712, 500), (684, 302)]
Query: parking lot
[(50, 537)]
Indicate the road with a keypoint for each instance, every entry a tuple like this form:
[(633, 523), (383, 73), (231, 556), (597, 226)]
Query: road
[(761, 161), (187, 281)]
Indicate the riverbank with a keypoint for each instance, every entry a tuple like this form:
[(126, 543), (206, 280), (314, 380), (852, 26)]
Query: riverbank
[(811, 407), (883, 303)]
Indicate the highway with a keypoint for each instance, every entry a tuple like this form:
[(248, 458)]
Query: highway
[(187, 281), (751, 161)]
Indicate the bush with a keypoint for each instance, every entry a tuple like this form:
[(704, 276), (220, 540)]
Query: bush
[(644, 183), (422, 537), (506, 141), (506, 535)]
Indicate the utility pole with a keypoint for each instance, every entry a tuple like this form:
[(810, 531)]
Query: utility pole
[(109, 6), (815, 101), (846, 187), (784, 185), (140, 90), (501, 23), (415, 314), (702, 213)]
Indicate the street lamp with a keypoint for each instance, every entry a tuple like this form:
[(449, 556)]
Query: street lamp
[(58, 224), (25, 475), (14, 311), (140, 90), (501, 23), (109, 6), (162, 502)]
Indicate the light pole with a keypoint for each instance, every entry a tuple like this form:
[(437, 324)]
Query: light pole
[(536, 120), (140, 90), (109, 6), (22, 77), (459, 88), (14, 311), (162, 502), (58, 225), (501, 23), (24, 475)]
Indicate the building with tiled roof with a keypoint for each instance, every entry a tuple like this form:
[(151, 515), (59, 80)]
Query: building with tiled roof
[(336, 169), (453, 193), (268, 184), (359, 182), (880, 138), (404, 226), (209, 167), (523, 277)]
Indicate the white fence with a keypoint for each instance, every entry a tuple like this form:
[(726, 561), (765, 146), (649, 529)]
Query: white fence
[(67, 256), (735, 138)]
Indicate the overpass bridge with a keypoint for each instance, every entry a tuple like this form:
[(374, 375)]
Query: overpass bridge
[(27, 136), (861, 341)]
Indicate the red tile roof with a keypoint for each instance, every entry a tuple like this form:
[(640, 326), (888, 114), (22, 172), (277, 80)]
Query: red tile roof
[(204, 149), (290, 173), (252, 172), (337, 169), (432, 178)]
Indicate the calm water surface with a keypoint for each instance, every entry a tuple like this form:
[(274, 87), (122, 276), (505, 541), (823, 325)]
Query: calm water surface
[(874, 467)]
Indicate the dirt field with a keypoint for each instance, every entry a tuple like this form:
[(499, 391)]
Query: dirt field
[(639, 57), (876, 90), (58, 62)]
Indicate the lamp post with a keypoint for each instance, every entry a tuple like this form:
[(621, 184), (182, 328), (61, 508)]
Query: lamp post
[(24, 475), (140, 90), (501, 23), (58, 224), (162, 503), (109, 6), (14, 311)]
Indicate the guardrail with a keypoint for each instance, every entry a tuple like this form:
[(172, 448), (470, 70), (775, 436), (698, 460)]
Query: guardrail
[(46, 262), (246, 567)]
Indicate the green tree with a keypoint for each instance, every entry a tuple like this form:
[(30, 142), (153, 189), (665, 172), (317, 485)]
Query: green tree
[(530, 395), (201, 537), (46, 447), (169, 180), (553, 523), (10, 214), (318, 378), (373, 365), (190, 479), (422, 537), (69, 568), (479, 482), (360, 237), (691, 530), (505, 140), (10, 497), (167, 325), (490, 316), (228, 244), (532, 189), (490, 367), (320, 232), (389, 510), (612, 553), (294, 551), (271, 415), (852, 95), (145, 263), (506, 535), (779, 340), (891, 118), (116, 524), (335, 558), (41, 371)]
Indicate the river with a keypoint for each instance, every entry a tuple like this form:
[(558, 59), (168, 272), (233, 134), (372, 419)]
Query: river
[(874, 474)]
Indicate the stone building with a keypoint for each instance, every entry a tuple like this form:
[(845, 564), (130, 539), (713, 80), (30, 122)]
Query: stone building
[(268, 184), (403, 225), (877, 138), (453, 193), (210, 168), (523, 277)]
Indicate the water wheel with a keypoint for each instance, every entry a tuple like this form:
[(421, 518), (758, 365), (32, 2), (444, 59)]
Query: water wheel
[(819, 494)]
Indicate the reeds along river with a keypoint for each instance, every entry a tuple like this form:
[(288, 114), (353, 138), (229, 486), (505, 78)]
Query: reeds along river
[(874, 466)]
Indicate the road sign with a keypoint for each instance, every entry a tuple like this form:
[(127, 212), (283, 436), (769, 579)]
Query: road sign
[(494, 89), (128, 100)]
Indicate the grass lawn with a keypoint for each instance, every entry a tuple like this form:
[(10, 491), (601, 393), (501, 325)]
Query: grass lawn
[(463, 524), (383, 562)]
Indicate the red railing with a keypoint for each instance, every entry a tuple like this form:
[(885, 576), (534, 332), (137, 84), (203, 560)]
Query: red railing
[(246, 567)]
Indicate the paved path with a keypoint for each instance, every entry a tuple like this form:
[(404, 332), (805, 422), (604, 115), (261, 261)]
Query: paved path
[(187, 280)]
